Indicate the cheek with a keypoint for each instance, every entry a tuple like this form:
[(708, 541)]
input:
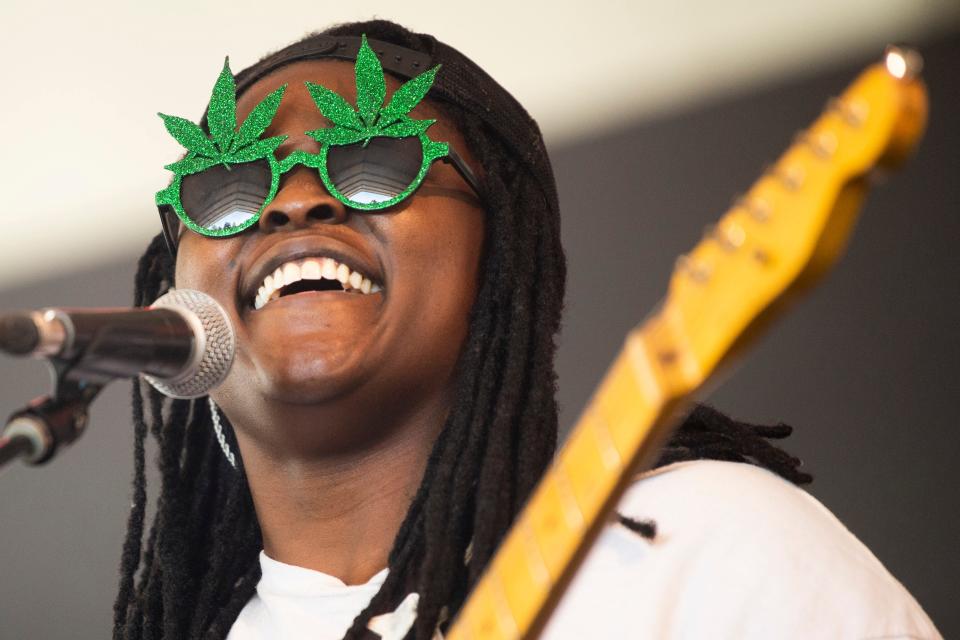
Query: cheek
[(204, 264), (447, 245), (457, 271), (445, 253)]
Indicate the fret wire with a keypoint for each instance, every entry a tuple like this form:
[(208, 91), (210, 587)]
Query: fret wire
[(535, 560), (609, 453), (568, 500), (507, 623)]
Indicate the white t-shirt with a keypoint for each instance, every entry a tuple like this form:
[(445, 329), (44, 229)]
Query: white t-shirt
[(739, 554)]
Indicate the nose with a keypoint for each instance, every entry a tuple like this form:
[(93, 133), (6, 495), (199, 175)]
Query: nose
[(301, 201)]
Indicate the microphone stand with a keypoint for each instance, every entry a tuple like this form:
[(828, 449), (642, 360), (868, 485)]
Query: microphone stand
[(36, 432)]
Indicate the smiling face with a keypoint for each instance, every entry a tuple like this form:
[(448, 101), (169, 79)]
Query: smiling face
[(318, 369)]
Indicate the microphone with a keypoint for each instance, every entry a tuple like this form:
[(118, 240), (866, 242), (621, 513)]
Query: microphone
[(183, 344)]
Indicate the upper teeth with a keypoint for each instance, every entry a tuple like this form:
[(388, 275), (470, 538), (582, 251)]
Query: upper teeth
[(311, 269)]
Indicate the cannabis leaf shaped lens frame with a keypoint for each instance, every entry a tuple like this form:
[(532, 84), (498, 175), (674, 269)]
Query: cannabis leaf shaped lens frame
[(225, 147), (373, 157), (343, 146)]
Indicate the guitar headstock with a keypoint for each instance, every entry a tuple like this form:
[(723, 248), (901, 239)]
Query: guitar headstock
[(793, 224), (905, 65)]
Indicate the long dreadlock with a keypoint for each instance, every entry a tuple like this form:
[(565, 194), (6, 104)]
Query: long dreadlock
[(199, 564)]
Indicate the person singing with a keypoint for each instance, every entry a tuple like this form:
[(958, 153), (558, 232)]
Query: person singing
[(379, 219)]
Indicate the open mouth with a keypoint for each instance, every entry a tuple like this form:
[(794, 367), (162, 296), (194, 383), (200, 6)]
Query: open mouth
[(312, 275)]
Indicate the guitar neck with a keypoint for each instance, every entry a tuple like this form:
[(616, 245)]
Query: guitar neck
[(775, 241), (642, 388)]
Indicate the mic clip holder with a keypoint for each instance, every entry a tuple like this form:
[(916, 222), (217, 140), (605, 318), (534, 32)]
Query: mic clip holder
[(36, 432)]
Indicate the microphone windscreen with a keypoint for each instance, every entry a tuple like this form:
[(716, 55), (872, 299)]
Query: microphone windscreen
[(215, 344), (19, 335)]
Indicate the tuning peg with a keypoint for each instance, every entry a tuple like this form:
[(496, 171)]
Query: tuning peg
[(902, 62)]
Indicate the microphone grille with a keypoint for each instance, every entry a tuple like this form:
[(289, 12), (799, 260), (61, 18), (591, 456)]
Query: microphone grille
[(216, 342)]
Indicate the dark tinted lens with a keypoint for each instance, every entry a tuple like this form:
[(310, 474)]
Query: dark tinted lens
[(222, 197), (377, 172)]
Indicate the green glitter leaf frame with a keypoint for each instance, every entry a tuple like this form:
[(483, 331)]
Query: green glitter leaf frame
[(225, 145), (371, 119)]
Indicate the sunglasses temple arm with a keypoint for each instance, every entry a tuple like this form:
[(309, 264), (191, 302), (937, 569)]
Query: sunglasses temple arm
[(464, 170), (168, 233)]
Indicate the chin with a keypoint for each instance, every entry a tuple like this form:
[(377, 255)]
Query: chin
[(311, 373)]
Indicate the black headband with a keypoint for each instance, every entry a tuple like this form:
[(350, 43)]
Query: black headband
[(400, 61)]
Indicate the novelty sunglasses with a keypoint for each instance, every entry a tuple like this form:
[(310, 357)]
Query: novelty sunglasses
[(373, 157)]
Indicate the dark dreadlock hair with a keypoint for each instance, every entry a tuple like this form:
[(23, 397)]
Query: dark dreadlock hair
[(199, 564)]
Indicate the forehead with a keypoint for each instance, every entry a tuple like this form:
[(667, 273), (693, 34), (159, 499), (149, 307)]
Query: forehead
[(298, 109)]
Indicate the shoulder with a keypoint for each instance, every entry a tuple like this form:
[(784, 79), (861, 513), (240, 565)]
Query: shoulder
[(739, 553), (710, 499)]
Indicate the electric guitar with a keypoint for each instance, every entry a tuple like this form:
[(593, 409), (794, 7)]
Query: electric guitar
[(776, 241)]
